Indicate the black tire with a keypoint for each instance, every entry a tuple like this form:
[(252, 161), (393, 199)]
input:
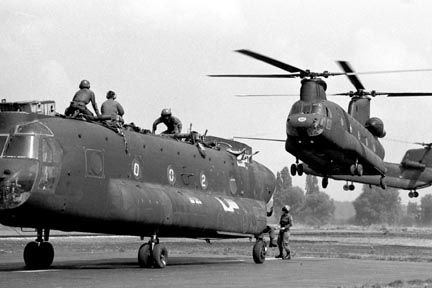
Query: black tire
[(31, 255), (360, 170), (160, 256), (325, 182), (300, 169), (46, 254), (145, 259), (259, 252), (351, 187), (415, 194), (293, 170)]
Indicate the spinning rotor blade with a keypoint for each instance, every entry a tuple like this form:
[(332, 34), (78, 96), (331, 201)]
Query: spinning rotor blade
[(270, 61), (257, 75), (267, 95), (261, 139), (352, 77), (407, 94)]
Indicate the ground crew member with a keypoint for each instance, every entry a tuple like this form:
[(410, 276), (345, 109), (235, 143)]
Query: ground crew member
[(285, 222), (111, 108), (80, 100), (174, 125)]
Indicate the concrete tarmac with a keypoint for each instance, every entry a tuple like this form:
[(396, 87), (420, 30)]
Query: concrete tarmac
[(102, 271)]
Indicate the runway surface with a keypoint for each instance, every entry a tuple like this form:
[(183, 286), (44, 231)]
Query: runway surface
[(100, 270)]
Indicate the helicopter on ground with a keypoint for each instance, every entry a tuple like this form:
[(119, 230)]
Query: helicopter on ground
[(412, 173), (322, 134), (79, 175)]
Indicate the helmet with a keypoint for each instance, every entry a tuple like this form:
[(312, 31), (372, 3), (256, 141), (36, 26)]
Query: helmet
[(84, 84), (286, 208), (111, 94), (166, 112)]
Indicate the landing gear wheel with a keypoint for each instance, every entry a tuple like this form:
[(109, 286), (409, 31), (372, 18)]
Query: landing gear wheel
[(293, 169), (346, 187), (415, 194), (46, 254), (145, 258), (359, 169), (160, 256), (410, 194), (351, 187), (259, 252), (31, 255), (300, 169), (383, 185), (324, 182), (353, 170)]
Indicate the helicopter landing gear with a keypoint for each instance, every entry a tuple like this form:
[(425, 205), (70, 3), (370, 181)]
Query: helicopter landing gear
[(39, 254), (349, 187), (356, 169), (259, 250), (382, 183), (297, 168), (324, 182), (413, 194), (152, 254)]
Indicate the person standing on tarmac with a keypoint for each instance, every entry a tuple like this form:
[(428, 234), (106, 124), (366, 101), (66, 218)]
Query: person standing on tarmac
[(286, 221), (174, 125), (80, 100), (112, 109)]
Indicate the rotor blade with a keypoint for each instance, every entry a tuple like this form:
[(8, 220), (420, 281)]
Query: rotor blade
[(261, 139), (257, 75), (352, 77), (406, 94), (267, 95), (271, 61), (391, 71)]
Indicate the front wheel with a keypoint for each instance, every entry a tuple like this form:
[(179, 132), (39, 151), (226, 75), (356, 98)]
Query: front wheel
[(259, 252), (160, 256), (144, 256)]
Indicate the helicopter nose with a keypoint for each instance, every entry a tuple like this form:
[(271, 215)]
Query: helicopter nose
[(306, 124), (16, 181)]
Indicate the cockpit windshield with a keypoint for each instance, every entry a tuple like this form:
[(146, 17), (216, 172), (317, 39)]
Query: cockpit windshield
[(22, 146), (307, 108)]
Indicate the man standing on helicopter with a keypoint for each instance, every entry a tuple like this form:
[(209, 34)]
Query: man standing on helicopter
[(80, 100)]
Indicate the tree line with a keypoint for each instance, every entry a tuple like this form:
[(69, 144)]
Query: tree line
[(373, 206)]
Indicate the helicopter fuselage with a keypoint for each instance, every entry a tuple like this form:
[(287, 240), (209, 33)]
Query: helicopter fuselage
[(321, 134), (73, 175)]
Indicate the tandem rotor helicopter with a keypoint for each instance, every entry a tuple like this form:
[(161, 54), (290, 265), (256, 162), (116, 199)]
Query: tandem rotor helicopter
[(79, 175), (322, 134)]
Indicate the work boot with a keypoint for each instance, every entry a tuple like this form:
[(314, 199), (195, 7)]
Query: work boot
[(272, 244), (279, 256), (287, 257)]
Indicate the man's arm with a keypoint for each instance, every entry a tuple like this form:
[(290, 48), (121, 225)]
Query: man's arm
[(93, 100), (120, 109), (155, 123)]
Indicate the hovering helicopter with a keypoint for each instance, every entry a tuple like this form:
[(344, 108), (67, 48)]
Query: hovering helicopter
[(78, 175), (321, 133), (414, 172)]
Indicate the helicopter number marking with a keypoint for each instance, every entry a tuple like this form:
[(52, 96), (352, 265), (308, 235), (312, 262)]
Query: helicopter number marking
[(195, 200), (227, 204), (203, 181), (171, 175)]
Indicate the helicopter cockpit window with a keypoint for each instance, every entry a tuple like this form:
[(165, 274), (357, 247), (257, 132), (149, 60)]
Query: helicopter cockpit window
[(22, 146), (51, 153), (33, 128), (317, 108), (3, 139), (296, 108)]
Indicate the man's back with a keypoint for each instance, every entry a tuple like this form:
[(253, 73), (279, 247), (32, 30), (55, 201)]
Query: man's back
[(112, 107), (84, 95)]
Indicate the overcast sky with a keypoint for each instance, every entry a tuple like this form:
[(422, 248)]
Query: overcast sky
[(156, 54)]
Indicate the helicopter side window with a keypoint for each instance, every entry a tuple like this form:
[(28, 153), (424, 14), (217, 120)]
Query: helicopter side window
[(317, 108), (328, 112), (33, 128), (22, 146)]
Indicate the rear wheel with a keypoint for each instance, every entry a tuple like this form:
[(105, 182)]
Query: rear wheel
[(46, 254), (145, 259), (324, 182), (259, 252), (293, 169), (300, 169), (31, 255)]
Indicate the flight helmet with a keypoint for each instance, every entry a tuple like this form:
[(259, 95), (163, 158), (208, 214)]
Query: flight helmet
[(166, 112), (84, 84)]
